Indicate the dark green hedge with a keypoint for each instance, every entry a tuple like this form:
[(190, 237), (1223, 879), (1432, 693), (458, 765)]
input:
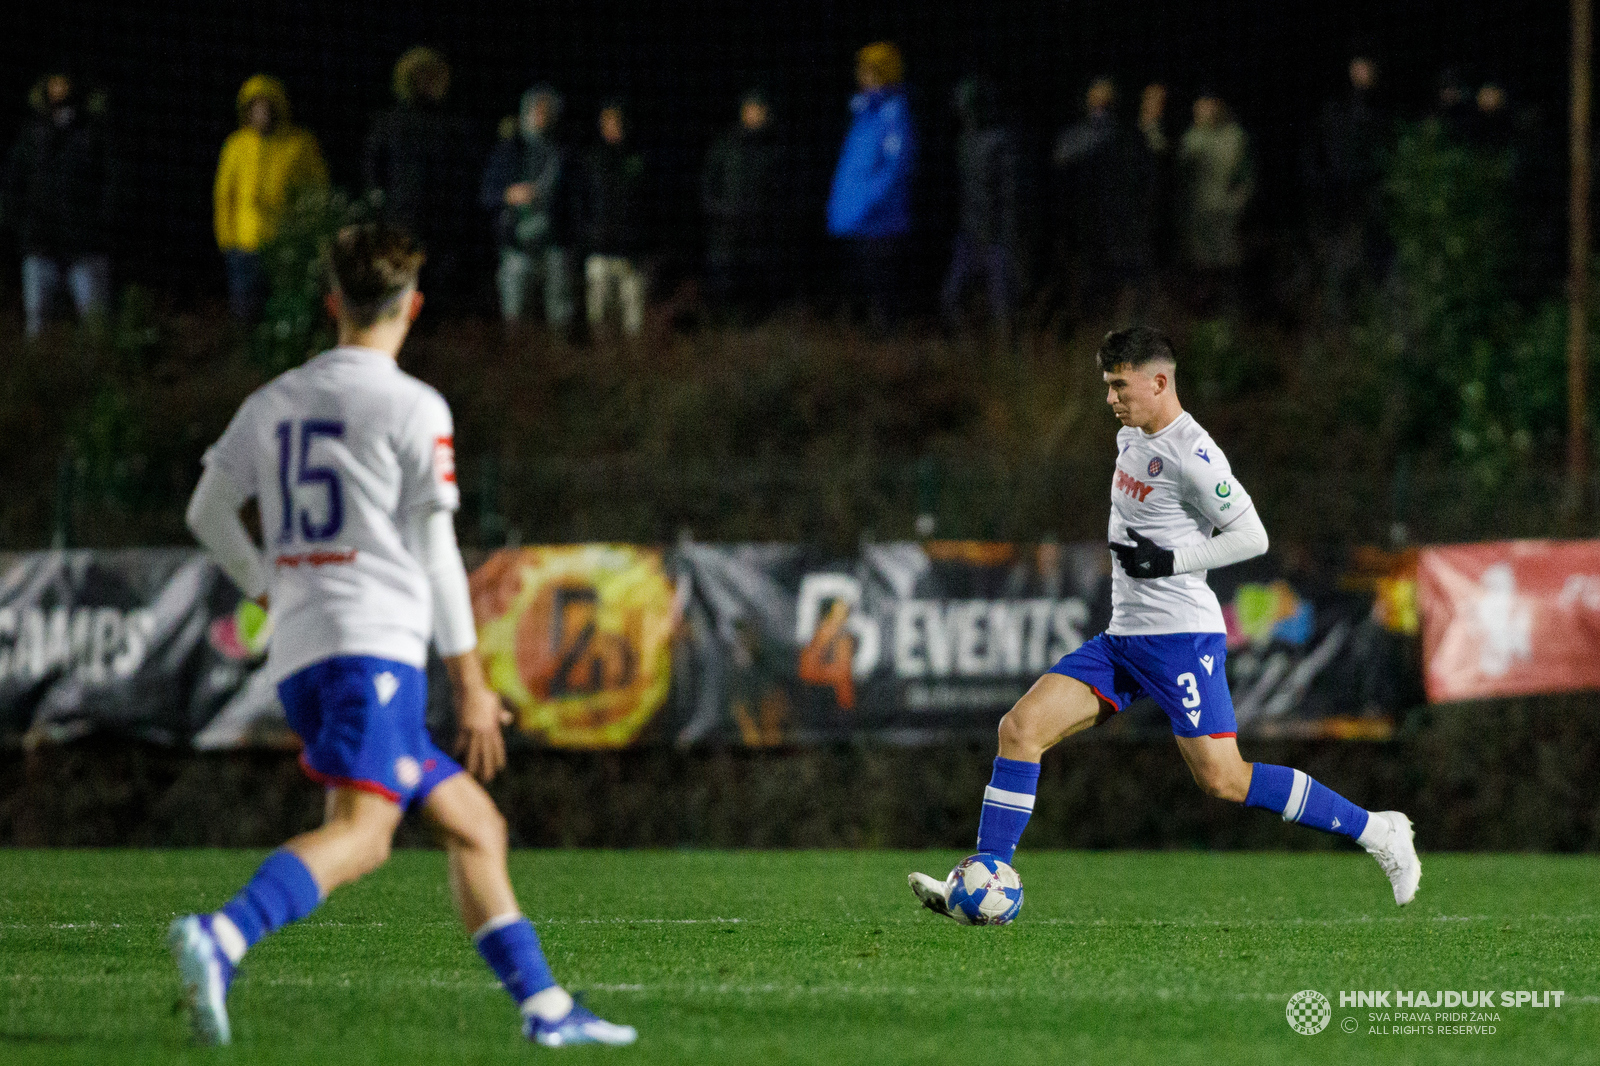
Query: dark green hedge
[(1515, 775)]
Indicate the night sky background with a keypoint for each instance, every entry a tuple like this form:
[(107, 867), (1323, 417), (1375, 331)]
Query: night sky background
[(171, 71)]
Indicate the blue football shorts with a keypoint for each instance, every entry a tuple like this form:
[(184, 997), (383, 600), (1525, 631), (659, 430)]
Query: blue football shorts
[(1182, 672), (363, 722)]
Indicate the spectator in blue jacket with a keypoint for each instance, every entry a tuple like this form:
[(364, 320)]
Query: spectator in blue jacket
[(870, 205)]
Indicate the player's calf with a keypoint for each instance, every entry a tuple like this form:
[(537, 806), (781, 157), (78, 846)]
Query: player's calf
[(1299, 798), (1385, 835), (1219, 776), (354, 840)]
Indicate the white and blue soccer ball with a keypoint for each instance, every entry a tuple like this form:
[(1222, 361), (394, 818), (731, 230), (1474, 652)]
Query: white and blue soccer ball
[(984, 890)]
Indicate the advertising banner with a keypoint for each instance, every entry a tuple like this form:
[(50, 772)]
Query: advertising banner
[(917, 642), (113, 640), (1510, 618), (605, 645), (577, 639), (907, 641)]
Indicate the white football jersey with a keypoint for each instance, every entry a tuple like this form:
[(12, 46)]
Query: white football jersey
[(341, 454), (1175, 488)]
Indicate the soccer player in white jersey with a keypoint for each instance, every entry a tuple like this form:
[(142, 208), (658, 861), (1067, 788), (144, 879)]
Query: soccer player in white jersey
[(351, 463), (1171, 491)]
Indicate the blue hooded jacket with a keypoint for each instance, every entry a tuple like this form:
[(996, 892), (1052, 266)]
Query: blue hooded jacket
[(871, 194)]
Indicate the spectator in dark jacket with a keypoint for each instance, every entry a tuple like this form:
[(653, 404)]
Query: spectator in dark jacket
[(1107, 183), (60, 194), (746, 195), (525, 190), (986, 232), (870, 203), (422, 158), (1344, 176), (615, 230)]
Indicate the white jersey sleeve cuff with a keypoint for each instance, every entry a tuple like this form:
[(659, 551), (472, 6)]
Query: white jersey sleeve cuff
[(1245, 538), (213, 518), (454, 631)]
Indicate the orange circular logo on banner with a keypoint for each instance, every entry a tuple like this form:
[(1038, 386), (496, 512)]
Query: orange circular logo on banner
[(578, 639)]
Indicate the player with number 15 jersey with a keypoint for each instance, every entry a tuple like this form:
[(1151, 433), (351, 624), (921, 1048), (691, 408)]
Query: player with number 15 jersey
[(350, 461), (345, 456)]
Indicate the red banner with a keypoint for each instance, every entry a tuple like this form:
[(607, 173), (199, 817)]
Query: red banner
[(1510, 618)]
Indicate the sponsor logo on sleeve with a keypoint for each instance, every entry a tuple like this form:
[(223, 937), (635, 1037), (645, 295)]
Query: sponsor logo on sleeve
[(1224, 490), (444, 459)]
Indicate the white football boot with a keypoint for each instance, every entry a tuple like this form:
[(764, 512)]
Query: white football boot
[(933, 894), (205, 971), (1396, 852)]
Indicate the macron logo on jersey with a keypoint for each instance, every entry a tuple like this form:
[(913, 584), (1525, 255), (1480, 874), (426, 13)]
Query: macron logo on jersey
[(1201, 452), (1133, 486)]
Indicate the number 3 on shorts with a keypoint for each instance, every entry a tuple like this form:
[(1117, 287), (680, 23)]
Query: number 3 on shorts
[(1188, 682)]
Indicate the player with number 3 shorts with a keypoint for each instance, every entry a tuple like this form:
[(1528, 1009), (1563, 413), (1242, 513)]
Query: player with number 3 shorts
[(1177, 511)]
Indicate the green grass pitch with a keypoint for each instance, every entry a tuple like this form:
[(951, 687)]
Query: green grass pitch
[(816, 957)]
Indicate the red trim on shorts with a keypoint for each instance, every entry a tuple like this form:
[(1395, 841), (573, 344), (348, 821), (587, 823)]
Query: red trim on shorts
[(1104, 698), (1219, 736), (358, 784)]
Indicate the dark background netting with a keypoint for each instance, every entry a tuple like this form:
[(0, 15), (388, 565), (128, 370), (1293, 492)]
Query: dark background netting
[(170, 72)]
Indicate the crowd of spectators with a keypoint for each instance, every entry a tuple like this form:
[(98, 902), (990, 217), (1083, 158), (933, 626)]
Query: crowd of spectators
[(1134, 206)]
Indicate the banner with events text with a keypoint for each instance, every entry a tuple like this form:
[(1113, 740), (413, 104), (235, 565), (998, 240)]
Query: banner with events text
[(605, 645)]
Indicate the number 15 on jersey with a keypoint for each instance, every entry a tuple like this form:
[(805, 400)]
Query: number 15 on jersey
[(303, 483)]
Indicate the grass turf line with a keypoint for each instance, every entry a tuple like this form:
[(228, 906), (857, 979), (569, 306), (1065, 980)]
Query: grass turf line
[(815, 957)]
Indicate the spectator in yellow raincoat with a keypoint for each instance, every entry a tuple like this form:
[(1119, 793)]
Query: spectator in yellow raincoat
[(266, 163)]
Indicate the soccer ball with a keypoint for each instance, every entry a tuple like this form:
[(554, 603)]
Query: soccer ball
[(984, 890)]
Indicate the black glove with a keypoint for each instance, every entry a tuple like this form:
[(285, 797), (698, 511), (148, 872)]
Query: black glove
[(1143, 558)]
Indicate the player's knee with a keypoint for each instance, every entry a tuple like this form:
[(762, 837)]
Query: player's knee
[(482, 829), (1222, 781), (489, 834), (367, 844), (1015, 734), (376, 849)]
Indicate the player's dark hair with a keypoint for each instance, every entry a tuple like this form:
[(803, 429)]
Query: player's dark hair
[(371, 265), (1135, 347)]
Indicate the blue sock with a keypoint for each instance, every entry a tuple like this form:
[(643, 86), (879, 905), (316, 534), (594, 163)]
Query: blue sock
[(511, 948), (282, 891), (1007, 803), (1301, 799)]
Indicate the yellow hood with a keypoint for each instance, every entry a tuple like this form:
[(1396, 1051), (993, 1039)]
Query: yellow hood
[(264, 85)]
